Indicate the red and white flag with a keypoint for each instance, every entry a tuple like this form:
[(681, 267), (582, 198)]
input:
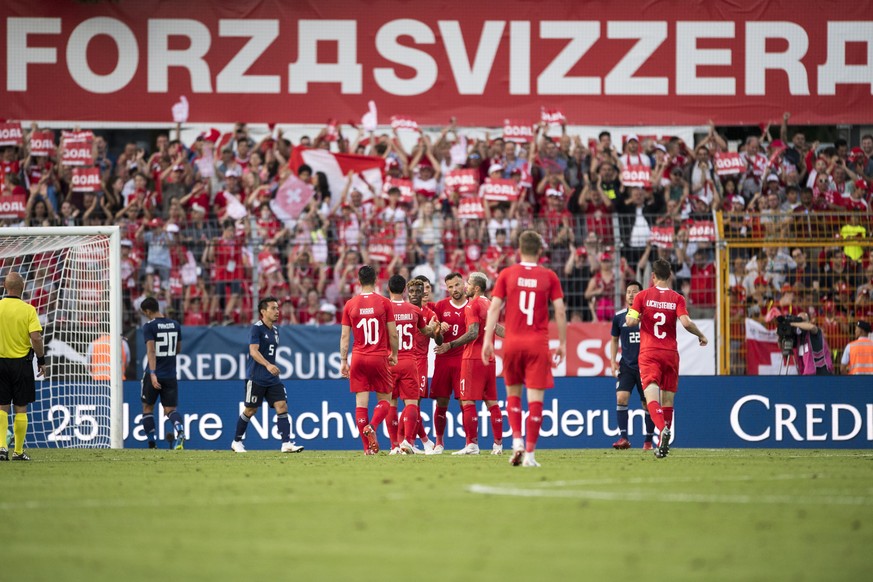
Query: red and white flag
[(10, 134), (763, 356), (42, 143), (86, 180), (405, 187), (368, 169), (291, 198)]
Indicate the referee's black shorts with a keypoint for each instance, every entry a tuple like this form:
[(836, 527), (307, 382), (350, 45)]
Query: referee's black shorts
[(17, 385)]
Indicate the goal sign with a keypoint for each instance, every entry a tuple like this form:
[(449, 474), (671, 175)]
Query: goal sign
[(86, 180), (10, 134)]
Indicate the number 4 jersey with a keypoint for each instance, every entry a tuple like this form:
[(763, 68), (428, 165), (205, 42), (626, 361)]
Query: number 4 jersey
[(526, 289), (658, 310), (166, 333), (368, 315)]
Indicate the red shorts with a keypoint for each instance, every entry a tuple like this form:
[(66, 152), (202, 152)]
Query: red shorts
[(478, 381), (406, 381), (422, 379), (660, 367), (370, 374), (528, 364), (446, 378)]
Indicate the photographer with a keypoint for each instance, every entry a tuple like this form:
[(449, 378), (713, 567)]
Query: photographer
[(813, 353)]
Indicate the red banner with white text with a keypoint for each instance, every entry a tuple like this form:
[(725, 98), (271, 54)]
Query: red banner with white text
[(674, 63)]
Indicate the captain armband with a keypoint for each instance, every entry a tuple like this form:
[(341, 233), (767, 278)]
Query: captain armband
[(633, 313)]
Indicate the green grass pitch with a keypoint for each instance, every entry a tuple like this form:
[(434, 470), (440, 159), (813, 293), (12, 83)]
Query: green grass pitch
[(584, 515)]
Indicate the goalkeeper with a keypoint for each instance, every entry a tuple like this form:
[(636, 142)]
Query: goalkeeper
[(19, 333)]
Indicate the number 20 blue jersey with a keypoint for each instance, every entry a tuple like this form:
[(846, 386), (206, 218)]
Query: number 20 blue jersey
[(166, 333), (268, 342)]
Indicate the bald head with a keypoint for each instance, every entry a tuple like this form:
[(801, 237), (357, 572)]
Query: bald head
[(14, 284)]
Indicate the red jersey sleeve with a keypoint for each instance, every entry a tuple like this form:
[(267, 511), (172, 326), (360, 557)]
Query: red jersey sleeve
[(389, 310), (500, 286), (347, 320), (681, 307), (556, 291)]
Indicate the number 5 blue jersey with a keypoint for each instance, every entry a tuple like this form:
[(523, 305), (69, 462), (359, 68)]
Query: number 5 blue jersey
[(268, 342), (629, 339), (167, 335)]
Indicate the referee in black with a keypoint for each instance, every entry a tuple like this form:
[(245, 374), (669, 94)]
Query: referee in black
[(20, 339)]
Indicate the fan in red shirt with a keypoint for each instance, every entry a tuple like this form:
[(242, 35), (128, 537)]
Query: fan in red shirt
[(527, 289), (478, 376), (447, 367), (371, 318), (411, 324), (656, 310)]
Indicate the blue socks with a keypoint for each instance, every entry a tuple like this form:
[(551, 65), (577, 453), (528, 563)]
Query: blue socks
[(284, 426), (242, 424), (622, 414), (176, 419), (148, 425)]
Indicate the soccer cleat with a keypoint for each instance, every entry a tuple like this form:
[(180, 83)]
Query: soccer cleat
[(471, 449), (396, 451), (663, 444), (4, 454), (529, 461), (290, 447), (407, 448), (497, 449), (368, 452), (428, 447), (237, 447), (436, 450), (153, 444), (179, 442), (22, 456), (372, 443), (647, 446), (515, 459), (621, 443)]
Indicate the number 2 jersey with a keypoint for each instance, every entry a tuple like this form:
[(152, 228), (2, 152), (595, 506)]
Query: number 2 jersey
[(526, 289), (166, 333), (368, 315), (658, 310)]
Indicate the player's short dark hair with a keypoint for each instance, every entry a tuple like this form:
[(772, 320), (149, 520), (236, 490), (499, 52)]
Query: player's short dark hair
[(633, 282), (530, 243), (150, 304), (367, 275), (424, 280), (265, 302), (452, 275), (396, 284), (662, 269)]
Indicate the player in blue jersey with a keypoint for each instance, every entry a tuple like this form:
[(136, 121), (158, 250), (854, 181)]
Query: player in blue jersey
[(163, 339), (263, 378), (628, 371)]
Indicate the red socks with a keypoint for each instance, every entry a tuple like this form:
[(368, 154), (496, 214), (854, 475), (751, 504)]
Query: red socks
[(513, 410), (668, 416), (391, 422), (657, 414), (496, 423), (534, 421), (362, 419), (410, 420), (471, 423), (422, 432), (439, 423), (380, 412)]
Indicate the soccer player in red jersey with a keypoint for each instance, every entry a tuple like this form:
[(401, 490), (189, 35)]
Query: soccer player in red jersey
[(478, 377), (371, 318), (418, 291), (410, 322), (527, 289), (656, 311), (447, 367)]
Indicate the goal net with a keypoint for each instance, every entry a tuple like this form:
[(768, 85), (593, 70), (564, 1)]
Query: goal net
[(71, 277)]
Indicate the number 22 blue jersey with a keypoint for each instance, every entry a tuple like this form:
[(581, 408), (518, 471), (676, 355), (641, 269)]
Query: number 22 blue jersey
[(630, 339), (268, 342), (166, 333)]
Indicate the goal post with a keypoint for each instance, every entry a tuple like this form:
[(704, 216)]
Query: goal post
[(72, 278)]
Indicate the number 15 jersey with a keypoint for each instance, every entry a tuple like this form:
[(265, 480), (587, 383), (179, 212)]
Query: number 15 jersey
[(526, 289), (659, 309)]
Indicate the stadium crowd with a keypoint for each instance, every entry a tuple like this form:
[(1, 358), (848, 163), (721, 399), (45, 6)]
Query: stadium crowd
[(200, 233)]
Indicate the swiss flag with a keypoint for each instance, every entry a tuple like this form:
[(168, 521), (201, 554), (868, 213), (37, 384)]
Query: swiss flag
[(763, 356), (291, 198), (369, 169)]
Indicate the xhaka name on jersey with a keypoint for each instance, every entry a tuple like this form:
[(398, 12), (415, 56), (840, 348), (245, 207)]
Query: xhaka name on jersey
[(366, 311)]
